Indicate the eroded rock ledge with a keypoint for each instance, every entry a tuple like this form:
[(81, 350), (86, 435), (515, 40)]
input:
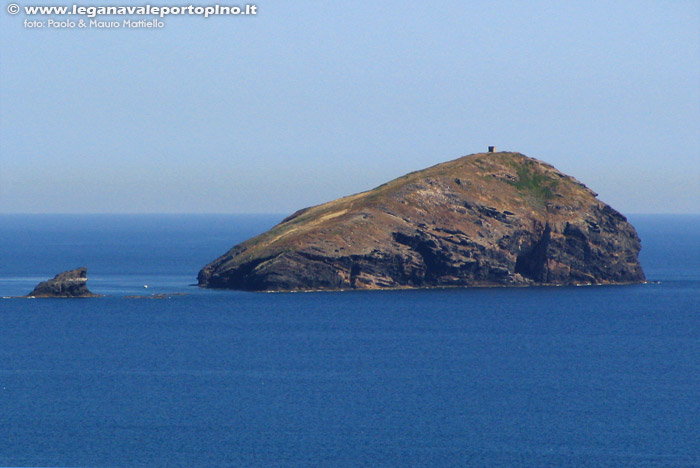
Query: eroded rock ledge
[(72, 283)]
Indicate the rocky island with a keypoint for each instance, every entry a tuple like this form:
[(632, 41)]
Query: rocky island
[(72, 283), (488, 219)]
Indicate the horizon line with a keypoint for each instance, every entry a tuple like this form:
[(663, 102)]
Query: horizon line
[(257, 213)]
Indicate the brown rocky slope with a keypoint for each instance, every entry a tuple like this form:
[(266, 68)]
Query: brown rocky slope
[(480, 220)]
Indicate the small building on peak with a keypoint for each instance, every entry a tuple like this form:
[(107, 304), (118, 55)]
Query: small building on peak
[(492, 149)]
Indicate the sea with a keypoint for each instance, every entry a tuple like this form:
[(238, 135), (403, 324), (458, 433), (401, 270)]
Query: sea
[(599, 376)]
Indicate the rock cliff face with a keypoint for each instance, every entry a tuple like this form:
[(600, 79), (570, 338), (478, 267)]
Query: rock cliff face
[(480, 220), (71, 283)]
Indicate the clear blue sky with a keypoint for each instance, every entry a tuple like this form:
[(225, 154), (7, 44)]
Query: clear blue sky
[(309, 101)]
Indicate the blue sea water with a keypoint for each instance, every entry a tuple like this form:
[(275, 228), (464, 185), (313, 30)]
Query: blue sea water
[(527, 377)]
